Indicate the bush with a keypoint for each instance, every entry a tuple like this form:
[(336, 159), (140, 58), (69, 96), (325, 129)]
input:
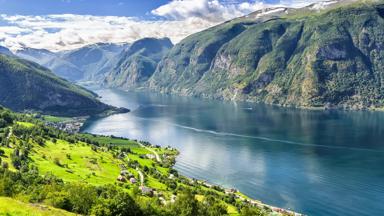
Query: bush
[(57, 162), (5, 165), (59, 200), (82, 197)]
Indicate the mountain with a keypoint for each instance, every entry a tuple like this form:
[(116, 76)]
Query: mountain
[(25, 85), (325, 55), (5, 51), (87, 63), (138, 63)]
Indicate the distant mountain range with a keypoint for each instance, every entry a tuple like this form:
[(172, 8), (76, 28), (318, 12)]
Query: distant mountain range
[(328, 54), (87, 63), (25, 85), (5, 51)]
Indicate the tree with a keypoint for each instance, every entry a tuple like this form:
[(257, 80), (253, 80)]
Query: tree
[(116, 202), (186, 205), (213, 207), (4, 165), (3, 123), (82, 197), (251, 211)]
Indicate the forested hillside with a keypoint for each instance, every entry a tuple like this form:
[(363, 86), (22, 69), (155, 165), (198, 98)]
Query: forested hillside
[(305, 57), (28, 86)]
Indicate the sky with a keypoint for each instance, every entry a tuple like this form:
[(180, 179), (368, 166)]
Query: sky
[(59, 25)]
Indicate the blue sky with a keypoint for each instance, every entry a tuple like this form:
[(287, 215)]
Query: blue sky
[(137, 8), (69, 24)]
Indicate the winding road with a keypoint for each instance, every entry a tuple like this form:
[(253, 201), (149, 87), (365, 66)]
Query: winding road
[(141, 176), (153, 151)]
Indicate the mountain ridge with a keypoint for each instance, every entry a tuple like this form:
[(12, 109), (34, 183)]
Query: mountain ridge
[(90, 62), (312, 60), (138, 63), (25, 85)]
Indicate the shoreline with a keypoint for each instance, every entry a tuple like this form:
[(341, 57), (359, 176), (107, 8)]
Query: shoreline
[(237, 193), (205, 183), (324, 107)]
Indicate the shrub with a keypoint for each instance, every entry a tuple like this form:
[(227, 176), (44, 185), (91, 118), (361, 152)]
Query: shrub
[(57, 161)]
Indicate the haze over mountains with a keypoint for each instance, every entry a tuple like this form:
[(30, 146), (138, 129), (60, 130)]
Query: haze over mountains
[(328, 54), (86, 63)]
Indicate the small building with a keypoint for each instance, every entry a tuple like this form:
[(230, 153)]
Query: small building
[(146, 191), (150, 156), (173, 198), (230, 191), (162, 200), (126, 173), (121, 178), (133, 180)]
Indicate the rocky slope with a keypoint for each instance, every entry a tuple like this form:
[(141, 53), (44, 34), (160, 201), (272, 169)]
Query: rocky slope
[(138, 63), (89, 63), (28, 86), (310, 57)]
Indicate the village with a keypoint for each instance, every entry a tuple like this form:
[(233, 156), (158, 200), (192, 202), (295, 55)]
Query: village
[(71, 126), (126, 177)]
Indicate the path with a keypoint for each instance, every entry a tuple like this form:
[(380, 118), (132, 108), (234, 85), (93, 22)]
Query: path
[(10, 133), (141, 176), (153, 151)]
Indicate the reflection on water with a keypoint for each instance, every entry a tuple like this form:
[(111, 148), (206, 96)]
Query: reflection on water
[(315, 162)]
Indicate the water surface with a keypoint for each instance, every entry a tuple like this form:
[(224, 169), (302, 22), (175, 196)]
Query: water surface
[(314, 162)]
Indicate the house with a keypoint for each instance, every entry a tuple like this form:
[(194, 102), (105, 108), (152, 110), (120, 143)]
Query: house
[(173, 198), (146, 190), (121, 178), (126, 173), (133, 180), (230, 191), (150, 156), (162, 200)]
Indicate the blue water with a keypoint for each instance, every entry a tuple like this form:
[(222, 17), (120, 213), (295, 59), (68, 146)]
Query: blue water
[(314, 162)]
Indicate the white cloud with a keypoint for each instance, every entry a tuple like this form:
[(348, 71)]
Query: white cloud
[(212, 10), (215, 10), (68, 31)]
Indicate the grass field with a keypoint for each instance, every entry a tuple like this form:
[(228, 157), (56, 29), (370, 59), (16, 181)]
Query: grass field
[(76, 162), (55, 119), (11, 207), (26, 124)]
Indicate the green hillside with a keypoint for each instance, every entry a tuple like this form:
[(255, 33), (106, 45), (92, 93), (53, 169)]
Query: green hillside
[(101, 175), (28, 86), (292, 57), (12, 207)]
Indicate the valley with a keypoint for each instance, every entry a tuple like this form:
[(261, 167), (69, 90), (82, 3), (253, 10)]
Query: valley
[(66, 168), (196, 108)]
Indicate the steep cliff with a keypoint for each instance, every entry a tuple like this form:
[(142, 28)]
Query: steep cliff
[(138, 63), (293, 57)]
